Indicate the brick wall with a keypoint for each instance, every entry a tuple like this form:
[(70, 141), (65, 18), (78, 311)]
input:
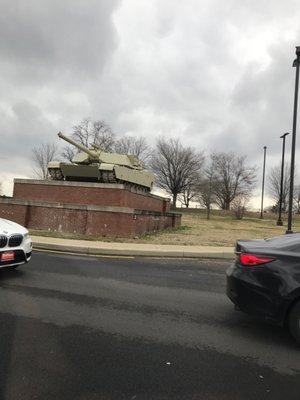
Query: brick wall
[(88, 193), (80, 220), (16, 213), (87, 208)]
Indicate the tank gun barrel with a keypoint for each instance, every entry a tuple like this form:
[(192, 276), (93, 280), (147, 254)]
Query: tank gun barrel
[(91, 153)]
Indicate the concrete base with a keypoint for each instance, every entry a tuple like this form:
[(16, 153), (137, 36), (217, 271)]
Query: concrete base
[(87, 209)]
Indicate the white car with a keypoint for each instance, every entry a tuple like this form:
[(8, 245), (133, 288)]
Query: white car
[(15, 244)]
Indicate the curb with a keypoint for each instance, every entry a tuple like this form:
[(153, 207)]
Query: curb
[(142, 252)]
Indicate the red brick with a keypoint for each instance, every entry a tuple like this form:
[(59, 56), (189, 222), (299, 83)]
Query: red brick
[(89, 195), (85, 222), (87, 209)]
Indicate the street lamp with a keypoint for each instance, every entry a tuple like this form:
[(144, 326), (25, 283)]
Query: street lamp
[(279, 221), (291, 193), (263, 185)]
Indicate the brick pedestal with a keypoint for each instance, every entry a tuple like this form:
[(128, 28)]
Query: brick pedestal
[(87, 208)]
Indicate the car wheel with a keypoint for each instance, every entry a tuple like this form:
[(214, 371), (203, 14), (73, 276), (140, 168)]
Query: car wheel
[(294, 321)]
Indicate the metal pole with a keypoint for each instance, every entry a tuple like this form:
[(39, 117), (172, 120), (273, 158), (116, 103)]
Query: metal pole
[(279, 221), (292, 173), (263, 185)]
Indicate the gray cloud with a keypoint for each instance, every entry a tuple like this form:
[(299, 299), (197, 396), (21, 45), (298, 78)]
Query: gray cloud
[(49, 51), (218, 74), (43, 40)]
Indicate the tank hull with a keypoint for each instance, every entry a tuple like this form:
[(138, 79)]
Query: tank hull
[(106, 173)]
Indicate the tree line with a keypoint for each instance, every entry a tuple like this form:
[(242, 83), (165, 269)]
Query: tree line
[(221, 179)]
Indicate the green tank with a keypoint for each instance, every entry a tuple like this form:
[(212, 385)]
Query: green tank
[(94, 164)]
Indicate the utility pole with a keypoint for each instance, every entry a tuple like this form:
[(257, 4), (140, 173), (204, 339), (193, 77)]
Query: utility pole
[(279, 221), (263, 185), (292, 174)]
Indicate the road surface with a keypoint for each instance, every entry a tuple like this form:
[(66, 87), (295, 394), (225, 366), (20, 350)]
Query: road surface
[(104, 328)]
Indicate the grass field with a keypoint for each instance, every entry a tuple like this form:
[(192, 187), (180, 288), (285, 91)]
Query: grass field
[(220, 230)]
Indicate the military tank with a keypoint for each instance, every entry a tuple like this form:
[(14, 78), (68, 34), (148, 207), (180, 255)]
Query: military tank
[(95, 165)]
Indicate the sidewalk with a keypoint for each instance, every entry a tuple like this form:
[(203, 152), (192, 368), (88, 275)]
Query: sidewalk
[(130, 249)]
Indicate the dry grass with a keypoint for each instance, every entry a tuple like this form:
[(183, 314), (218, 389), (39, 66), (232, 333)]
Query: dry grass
[(220, 230)]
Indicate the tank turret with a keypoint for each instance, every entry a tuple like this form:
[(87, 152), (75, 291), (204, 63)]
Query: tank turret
[(95, 164), (100, 156)]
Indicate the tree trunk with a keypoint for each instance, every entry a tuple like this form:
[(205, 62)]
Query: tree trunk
[(174, 200), (226, 205), (208, 212)]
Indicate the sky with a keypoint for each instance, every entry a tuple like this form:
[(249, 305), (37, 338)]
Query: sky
[(217, 74)]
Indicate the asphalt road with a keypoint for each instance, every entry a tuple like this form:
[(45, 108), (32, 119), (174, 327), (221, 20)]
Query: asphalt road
[(103, 328)]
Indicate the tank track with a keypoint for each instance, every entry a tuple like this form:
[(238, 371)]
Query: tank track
[(106, 177), (110, 177)]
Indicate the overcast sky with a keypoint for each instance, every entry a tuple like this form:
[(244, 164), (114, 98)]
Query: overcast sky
[(216, 73)]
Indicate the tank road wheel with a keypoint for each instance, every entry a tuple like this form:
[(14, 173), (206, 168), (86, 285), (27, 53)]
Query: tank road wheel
[(112, 177), (108, 177), (52, 173), (59, 175), (104, 176), (56, 174)]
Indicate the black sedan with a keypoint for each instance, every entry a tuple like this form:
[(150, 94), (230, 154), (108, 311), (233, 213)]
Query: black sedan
[(265, 280)]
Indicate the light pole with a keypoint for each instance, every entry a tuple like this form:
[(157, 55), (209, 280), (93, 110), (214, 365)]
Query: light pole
[(279, 221), (291, 193), (263, 185)]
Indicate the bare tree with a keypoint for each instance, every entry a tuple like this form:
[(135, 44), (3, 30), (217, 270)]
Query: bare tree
[(274, 182), (296, 205), (239, 205), (136, 146), (233, 178), (103, 136), (68, 152), (175, 166), (89, 133), (206, 195), (41, 156), (191, 190), (96, 133)]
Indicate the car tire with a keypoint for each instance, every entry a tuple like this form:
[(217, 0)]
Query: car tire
[(294, 321)]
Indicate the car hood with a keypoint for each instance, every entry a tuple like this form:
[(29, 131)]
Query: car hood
[(9, 227)]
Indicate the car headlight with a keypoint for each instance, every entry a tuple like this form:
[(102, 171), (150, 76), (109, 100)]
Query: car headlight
[(26, 235)]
